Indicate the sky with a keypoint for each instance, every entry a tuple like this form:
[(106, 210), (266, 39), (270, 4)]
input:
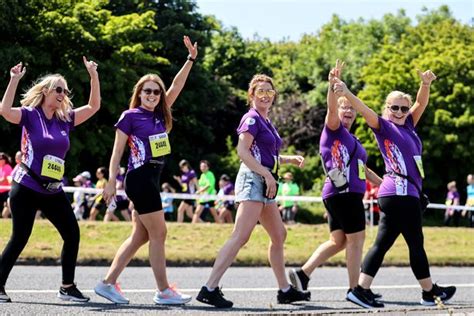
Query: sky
[(289, 19)]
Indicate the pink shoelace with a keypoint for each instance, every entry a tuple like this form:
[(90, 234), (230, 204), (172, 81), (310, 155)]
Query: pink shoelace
[(118, 288)]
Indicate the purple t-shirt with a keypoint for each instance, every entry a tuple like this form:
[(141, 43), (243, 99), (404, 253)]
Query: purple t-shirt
[(401, 149), (450, 197), (42, 140), (336, 148), (186, 185), (266, 141), (139, 124), (227, 190)]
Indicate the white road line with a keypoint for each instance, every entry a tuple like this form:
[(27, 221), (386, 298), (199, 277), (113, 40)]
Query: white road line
[(265, 289)]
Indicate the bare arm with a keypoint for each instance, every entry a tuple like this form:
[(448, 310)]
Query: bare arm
[(85, 112), (12, 115), (180, 78), (296, 160), (372, 176), (332, 118), (369, 115), (119, 147), (423, 95)]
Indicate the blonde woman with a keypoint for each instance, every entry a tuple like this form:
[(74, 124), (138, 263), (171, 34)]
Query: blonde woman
[(46, 117), (145, 127)]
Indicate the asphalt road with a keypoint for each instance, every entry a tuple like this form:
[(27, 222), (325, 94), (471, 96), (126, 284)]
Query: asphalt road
[(33, 290)]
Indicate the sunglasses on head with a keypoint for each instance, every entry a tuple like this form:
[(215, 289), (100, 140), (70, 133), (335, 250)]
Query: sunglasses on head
[(60, 90), (260, 93), (149, 91), (395, 108)]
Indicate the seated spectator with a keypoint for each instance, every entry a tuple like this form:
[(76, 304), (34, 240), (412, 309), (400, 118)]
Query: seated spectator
[(167, 201), (225, 208), (288, 208), (452, 199)]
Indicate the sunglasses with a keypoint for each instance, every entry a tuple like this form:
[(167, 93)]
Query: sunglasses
[(260, 93), (149, 91), (60, 90), (395, 108)]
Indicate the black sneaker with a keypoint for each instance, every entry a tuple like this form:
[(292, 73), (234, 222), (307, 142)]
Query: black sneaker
[(443, 294), (3, 295), (299, 279), (292, 295), (72, 293), (363, 297), (215, 298), (377, 296)]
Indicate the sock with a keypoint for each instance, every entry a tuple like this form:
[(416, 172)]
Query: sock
[(210, 289), (286, 289)]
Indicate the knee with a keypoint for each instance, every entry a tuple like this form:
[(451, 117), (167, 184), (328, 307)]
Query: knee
[(279, 238), (339, 243), (241, 239), (158, 236)]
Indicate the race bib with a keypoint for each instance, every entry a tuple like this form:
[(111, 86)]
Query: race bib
[(419, 165), (53, 167), (184, 187), (361, 168), (160, 145)]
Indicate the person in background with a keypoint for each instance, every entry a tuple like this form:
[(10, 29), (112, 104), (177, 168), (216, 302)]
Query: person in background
[(225, 208), (5, 180), (188, 183), (122, 203), (371, 194), (470, 199), (452, 199), (78, 198), (288, 208), (99, 202), (207, 185), (168, 207)]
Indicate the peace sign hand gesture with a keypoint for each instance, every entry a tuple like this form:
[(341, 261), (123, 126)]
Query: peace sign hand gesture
[(426, 77), (91, 67), (16, 72)]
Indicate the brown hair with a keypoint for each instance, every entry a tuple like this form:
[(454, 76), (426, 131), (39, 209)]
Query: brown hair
[(162, 106), (253, 84)]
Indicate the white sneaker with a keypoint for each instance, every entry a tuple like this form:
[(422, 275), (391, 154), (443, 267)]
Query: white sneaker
[(112, 292), (171, 296)]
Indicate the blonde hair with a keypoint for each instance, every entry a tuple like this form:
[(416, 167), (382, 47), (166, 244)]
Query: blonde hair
[(253, 84), (135, 99), (451, 185), (398, 94), (35, 96)]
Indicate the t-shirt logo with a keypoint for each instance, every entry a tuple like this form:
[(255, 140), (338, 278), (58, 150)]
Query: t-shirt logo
[(63, 133), (250, 121)]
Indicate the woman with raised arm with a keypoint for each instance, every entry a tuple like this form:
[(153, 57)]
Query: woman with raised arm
[(46, 118), (344, 157), (145, 127), (400, 192), (258, 148)]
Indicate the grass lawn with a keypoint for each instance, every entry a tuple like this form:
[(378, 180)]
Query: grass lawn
[(198, 244)]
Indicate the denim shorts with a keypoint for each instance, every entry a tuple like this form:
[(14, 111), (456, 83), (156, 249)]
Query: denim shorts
[(249, 186)]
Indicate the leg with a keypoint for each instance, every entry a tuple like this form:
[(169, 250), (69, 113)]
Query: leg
[(58, 210), (247, 217), (197, 215), (355, 243), (214, 214), (126, 215), (127, 250), (336, 242), (183, 207), (93, 214), (271, 220), (22, 202), (155, 226)]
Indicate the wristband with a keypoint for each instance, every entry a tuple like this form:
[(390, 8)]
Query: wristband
[(191, 59)]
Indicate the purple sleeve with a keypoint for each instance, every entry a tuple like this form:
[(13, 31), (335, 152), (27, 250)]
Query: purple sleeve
[(383, 126), (192, 175), (409, 122), (337, 131), (250, 124), (25, 117), (125, 123)]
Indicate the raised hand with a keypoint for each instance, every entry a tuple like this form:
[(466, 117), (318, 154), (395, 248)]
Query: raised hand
[(340, 88), (192, 49), (91, 67), (17, 72), (426, 77)]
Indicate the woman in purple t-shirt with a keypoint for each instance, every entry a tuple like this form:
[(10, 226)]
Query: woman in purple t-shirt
[(145, 127), (255, 189), (399, 193), (341, 153), (46, 118), (452, 199)]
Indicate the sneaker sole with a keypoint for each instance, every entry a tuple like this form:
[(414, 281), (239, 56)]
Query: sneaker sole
[(352, 298), (209, 303), (5, 301), (428, 303), (172, 302), (110, 299), (295, 280), (72, 298)]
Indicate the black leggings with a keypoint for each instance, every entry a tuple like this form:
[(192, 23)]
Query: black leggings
[(24, 203), (399, 214)]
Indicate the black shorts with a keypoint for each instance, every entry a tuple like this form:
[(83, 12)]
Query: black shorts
[(3, 198), (189, 202), (208, 204), (142, 186), (346, 212), (122, 205)]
